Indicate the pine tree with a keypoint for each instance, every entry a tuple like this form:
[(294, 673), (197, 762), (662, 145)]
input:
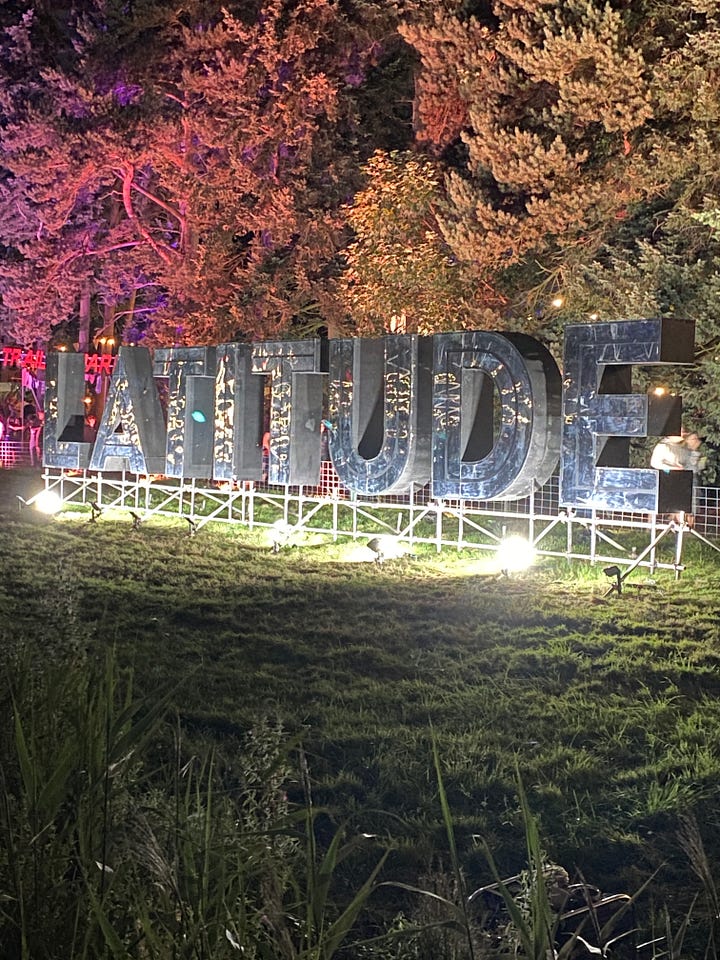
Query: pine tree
[(664, 257), (545, 102), (581, 146)]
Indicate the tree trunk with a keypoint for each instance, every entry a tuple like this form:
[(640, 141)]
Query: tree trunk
[(84, 326)]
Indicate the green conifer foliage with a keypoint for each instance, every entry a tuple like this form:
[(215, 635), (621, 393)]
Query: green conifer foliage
[(662, 258), (546, 99)]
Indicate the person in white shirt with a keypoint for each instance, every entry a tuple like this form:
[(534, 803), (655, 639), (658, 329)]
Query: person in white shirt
[(678, 453)]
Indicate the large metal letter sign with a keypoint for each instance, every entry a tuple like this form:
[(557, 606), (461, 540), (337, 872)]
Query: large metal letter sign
[(65, 412), (481, 415), (191, 409), (131, 435), (297, 380), (591, 417), (469, 461), (238, 415), (379, 403)]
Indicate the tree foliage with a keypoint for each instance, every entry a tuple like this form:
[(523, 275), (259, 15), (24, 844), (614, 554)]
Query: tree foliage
[(178, 169), (543, 101), (580, 148), (193, 174), (400, 272)]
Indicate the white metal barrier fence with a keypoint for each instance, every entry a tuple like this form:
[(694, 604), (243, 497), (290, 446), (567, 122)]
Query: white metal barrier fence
[(633, 540)]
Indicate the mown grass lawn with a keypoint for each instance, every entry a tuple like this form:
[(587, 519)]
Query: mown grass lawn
[(606, 706)]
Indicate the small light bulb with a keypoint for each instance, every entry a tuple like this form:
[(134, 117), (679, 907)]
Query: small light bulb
[(558, 302)]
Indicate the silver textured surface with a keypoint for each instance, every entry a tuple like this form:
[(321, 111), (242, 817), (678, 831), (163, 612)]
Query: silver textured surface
[(63, 431), (474, 459), (190, 412), (131, 434), (295, 368), (599, 410), (380, 411), (238, 415)]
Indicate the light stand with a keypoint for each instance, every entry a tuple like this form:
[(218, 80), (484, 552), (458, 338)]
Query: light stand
[(614, 571)]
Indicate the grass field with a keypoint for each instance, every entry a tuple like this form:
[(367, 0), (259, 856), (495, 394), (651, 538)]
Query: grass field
[(606, 707)]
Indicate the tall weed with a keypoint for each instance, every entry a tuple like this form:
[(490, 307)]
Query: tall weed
[(65, 774), (104, 855)]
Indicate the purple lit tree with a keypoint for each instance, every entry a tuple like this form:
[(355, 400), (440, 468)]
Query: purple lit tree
[(177, 174)]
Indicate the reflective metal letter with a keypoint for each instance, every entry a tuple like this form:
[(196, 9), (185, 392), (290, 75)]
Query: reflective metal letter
[(295, 368), (238, 415), (598, 408), (133, 406), (379, 405), (471, 371), (191, 409), (63, 444)]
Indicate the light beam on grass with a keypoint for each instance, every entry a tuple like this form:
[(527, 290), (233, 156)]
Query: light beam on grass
[(279, 535), (386, 548)]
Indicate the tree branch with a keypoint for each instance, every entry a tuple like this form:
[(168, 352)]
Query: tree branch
[(127, 175)]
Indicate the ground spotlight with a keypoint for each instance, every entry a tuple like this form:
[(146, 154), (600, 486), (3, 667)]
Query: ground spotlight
[(515, 554), (136, 519), (192, 526), (46, 502), (386, 548), (96, 511), (279, 535), (614, 573)]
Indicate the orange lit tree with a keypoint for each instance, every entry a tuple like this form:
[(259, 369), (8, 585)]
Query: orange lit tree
[(400, 273), (536, 108)]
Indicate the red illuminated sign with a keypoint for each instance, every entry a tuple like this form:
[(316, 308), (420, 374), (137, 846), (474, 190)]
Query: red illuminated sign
[(22, 359)]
